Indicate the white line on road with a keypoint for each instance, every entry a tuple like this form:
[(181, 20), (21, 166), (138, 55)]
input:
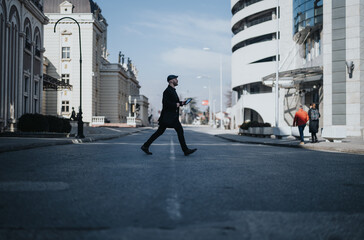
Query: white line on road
[(173, 206)]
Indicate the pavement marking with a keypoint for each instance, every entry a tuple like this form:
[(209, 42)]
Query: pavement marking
[(173, 155), (29, 186), (168, 144), (173, 206)]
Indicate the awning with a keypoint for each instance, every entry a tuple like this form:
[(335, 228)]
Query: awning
[(291, 78), (51, 83)]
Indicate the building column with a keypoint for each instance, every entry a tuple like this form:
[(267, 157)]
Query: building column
[(6, 75), (21, 73)]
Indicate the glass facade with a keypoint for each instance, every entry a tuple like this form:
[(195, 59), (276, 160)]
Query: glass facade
[(307, 13)]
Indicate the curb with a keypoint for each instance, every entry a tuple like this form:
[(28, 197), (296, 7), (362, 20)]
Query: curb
[(67, 141), (333, 149)]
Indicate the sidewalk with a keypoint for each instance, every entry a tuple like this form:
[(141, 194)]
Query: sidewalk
[(91, 134), (353, 145)]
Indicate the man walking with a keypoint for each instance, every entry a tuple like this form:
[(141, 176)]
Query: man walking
[(169, 117), (300, 120)]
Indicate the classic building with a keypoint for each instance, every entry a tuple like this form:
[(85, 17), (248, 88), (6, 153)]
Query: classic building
[(63, 53), (120, 91), (21, 60), (105, 86)]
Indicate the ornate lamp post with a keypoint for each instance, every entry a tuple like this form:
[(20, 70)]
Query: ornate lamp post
[(129, 106), (79, 118), (135, 103)]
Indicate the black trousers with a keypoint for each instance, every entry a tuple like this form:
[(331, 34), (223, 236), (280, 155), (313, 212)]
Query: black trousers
[(160, 131)]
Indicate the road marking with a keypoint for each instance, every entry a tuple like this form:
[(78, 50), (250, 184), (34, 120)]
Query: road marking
[(173, 206), (29, 186), (168, 144), (173, 155)]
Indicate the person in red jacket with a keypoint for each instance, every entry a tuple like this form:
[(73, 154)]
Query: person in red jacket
[(300, 120)]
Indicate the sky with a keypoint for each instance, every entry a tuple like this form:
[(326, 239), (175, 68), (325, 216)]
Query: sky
[(164, 37)]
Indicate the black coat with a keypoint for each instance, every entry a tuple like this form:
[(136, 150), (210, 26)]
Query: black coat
[(314, 124), (170, 112)]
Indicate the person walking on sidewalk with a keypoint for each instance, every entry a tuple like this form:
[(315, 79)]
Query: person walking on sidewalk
[(300, 120), (169, 117), (314, 116)]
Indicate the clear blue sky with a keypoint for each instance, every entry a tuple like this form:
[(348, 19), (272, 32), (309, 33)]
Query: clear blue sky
[(165, 37)]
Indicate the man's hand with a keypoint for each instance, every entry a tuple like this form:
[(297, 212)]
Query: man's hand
[(181, 104)]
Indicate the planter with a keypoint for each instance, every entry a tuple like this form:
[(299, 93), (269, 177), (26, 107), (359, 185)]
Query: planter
[(243, 132), (256, 131), (267, 131), (282, 132)]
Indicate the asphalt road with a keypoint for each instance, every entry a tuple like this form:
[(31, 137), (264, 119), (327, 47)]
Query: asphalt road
[(112, 190)]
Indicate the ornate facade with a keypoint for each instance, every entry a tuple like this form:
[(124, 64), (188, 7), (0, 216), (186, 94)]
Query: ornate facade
[(105, 86), (21, 59)]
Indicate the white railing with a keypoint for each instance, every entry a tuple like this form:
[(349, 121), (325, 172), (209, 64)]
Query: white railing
[(98, 120), (132, 121)]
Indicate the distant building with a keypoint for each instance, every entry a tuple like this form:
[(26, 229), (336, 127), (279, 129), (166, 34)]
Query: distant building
[(21, 60), (105, 86), (119, 81)]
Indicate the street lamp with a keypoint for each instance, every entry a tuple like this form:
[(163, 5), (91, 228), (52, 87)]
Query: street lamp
[(135, 103), (221, 123), (79, 118), (129, 106), (214, 113), (277, 68), (210, 114)]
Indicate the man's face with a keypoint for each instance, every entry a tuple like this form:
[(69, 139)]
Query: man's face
[(175, 82)]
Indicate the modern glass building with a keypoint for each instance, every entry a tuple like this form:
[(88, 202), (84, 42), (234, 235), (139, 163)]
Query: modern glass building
[(307, 13)]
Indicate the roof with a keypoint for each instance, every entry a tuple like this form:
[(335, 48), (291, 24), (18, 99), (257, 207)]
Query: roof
[(79, 6)]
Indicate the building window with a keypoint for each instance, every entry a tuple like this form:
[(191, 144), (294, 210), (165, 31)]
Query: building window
[(25, 104), (65, 78), (35, 105), (36, 87), (65, 106), (26, 84), (25, 94), (28, 44), (66, 53), (37, 47)]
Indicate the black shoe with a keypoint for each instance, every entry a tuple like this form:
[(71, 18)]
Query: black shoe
[(146, 150), (190, 151)]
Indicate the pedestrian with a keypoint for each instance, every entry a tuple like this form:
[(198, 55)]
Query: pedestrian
[(73, 115), (300, 120), (314, 116), (169, 117)]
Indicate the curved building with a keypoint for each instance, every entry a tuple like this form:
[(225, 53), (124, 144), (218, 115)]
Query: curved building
[(254, 46)]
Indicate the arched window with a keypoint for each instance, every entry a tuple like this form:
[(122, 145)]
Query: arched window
[(37, 42), (28, 34)]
